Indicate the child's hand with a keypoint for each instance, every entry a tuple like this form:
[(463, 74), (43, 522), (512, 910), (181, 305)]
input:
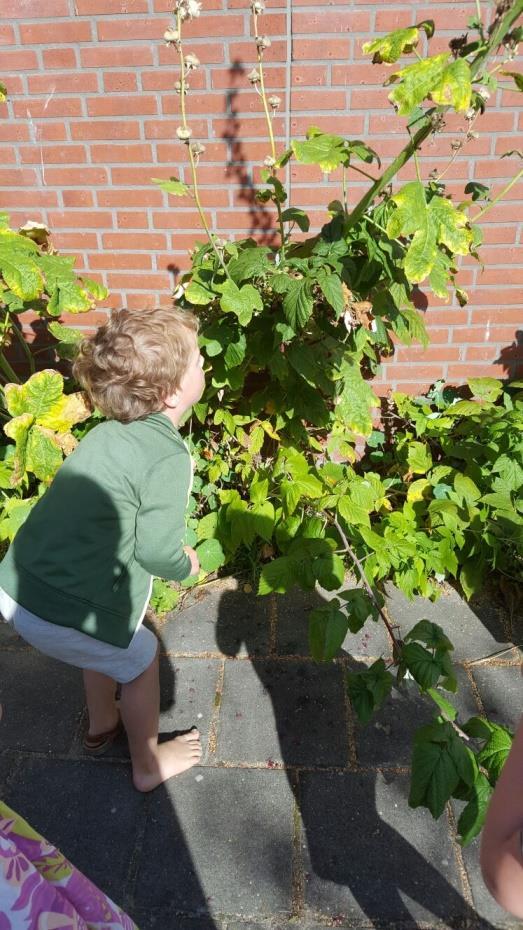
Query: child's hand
[(195, 565)]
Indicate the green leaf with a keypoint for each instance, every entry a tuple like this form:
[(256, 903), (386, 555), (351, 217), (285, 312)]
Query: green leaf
[(251, 263), (323, 149), (466, 489), (21, 274), (164, 598), (15, 513), (446, 81), (409, 326), (199, 295), (473, 815), (434, 772), (263, 519), (423, 666), (360, 607), (472, 576), (329, 571), (210, 555), (37, 396), (431, 634), (327, 630), (172, 186), (495, 752), (356, 400), (207, 526), (331, 288), (297, 303), (295, 215), (235, 352), (518, 78), (44, 455), (368, 689), (395, 44), (277, 576), (419, 458), (3, 93), (485, 388), (477, 190), (240, 301), (446, 708)]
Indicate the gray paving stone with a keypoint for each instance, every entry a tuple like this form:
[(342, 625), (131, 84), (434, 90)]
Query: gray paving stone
[(485, 905), (387, 738), (283, 711), (501, 692), (221, 619), (166, 919), (188, 687), (7, 766), (369, 857), (43, 701), (9, 637), (89, 810), (475, 629), (222, 844)]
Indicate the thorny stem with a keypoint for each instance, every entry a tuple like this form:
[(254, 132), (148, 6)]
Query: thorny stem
[(500, 195), (192, 159), (263, 93), (354, 558)]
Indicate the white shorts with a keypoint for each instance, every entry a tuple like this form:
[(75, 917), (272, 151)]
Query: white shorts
[(76, 648)]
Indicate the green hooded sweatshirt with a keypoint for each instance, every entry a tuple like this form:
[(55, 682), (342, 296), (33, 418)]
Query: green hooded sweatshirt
[(113, 517)]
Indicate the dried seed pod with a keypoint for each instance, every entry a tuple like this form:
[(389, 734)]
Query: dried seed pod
[(483, 93), (470, 113), (269, 161), (263, 42), (257, 7), (184, 133), (456, 144), (193, 8), (197, 148), (178, 87), (253, 76), (171, 36), (191, 62), (274, 102)]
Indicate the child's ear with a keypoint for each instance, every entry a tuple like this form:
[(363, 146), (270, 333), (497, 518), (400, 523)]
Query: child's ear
[(172, 400)]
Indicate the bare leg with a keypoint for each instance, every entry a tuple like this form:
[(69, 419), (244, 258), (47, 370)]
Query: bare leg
[(140, 709), (100, 693)]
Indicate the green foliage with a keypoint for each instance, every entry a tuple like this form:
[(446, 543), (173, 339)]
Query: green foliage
[(164, 597)]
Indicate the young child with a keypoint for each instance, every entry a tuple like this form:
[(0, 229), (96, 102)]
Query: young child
[(77, 579)]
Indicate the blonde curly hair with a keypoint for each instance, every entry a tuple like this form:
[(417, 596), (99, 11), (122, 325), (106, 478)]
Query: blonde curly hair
[(136, 360)]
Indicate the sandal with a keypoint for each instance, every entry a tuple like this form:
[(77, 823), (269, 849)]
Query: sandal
[(96, 745)]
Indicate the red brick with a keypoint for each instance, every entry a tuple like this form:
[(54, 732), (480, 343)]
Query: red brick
[(165, 6), (165, 80), (122, 154), (7, 36), (363, 73), (485, 353), (214, 151), (124, 56), (104, 129), (28, 9), (59, 58), (330, 21), (430, 354), (138, 241), (121, 106), (15, 60), (123, 30), (118, 82), (63, 154), (460, 372), (18, 177), (7, 155), (93, 219), (58, 108), (388, 20), (208, 103), (318, 100), (210, 53), (74, 177), (78, 198), (103, 261), (43, 132), (150, 197), (75, 82), (320, 49), (497, 167), (343, 124), (256, 126), (177, 219), (309, 75), (410, 372), (132, 219), (91, 319), (492, 234), (74, 241), (30, 199), (66, 33), (441, 317), (166, 129), (494, 296), (226, 78), (182, 241), (13, 82), (142, 302), (103, 7), (139, 282)]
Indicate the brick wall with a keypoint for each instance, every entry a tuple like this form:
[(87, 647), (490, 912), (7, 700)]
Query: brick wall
[(91, 118)]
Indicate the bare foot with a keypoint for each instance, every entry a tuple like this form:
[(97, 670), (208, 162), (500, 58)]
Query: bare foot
[(171, 759)]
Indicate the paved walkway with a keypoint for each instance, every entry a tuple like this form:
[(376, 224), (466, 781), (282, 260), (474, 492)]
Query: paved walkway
[(297, 819)]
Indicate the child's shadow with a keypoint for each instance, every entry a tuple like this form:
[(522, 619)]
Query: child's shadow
[(355, 818)]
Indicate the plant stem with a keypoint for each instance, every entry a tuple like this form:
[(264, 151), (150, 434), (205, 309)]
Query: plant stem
[(416, 162), (344, 187), (6, 370), (504, 25), (478, 12), (19, 335), (361, 171), (192, 160), (500, 195), (352, 555)]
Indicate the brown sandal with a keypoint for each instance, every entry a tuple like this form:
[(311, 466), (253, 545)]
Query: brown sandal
[(96, 745)]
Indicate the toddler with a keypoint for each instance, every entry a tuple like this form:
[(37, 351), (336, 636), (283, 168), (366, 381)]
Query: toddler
[(77, 579)]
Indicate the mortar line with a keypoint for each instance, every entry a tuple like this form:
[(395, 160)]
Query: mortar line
[(213, 726), (458, 855), (132, 872), (475, 691), (297, 873), (273, 626)]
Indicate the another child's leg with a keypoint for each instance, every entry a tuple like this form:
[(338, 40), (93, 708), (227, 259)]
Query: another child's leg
[(100, 692), (140, 710)]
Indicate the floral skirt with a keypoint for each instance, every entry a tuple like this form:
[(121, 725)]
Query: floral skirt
[(41, 890)]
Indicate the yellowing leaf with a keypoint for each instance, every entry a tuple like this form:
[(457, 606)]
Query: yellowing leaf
[(66, 412), (37, 396), (446, 82), (419, 490), (44, 455), (392, 46)]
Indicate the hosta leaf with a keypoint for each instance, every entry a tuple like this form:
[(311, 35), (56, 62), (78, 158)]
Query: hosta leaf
[(172, 186), (297, 303), (327, 630)]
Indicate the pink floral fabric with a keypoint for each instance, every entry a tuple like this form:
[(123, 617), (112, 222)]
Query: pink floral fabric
[(41, 890)]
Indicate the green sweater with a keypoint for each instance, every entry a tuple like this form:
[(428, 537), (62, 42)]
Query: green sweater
[(113, 517)]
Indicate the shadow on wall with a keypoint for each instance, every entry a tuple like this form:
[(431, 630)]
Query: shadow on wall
[(512, 357)]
